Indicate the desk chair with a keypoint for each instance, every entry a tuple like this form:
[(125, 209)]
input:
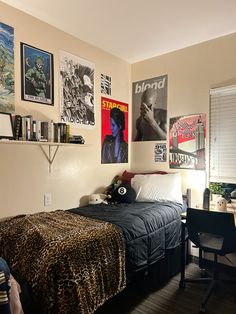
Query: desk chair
[(212, 232)]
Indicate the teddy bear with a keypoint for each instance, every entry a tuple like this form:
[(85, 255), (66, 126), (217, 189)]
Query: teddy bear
[(97, 199)]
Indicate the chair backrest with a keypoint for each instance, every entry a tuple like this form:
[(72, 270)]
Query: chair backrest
[(212, 223)]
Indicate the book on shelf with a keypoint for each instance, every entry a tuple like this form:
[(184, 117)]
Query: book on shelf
[(34, 130), (26, 128), (38, 130), (44, 130), (55, 132), (29, 119), (50, 131), (67, 133), (23, 128), (16, 122)]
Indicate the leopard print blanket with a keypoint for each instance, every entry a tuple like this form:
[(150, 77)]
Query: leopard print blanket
[(73, 263)]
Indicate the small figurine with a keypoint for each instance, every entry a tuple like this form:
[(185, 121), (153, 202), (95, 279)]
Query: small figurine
[(221, 204)]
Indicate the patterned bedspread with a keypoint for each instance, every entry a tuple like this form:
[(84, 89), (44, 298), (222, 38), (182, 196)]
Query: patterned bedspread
[(73, 263)]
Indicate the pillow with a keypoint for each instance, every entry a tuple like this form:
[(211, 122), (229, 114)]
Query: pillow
[(156, 187), (129, 175)]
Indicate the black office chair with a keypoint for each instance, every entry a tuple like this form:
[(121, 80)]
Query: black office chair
[(212, 232)]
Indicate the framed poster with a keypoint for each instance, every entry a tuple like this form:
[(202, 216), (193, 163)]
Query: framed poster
[(36, 75), (6, 129), (114, 137), (76, 90), (149, 109), (7, 84), (187, 142)]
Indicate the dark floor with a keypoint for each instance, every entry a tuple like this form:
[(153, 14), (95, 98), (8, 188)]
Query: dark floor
[(170, 299)]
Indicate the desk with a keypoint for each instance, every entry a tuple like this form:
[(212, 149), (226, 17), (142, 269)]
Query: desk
[(231, 209)]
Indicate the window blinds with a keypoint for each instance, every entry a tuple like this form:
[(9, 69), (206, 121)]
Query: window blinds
[(223, 134)]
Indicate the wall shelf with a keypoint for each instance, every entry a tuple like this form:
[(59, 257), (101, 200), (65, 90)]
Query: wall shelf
[(49, 149)]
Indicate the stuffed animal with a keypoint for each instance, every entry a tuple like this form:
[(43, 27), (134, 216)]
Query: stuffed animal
[(97, 199), (116, 182), (221, 203), (124, 193)]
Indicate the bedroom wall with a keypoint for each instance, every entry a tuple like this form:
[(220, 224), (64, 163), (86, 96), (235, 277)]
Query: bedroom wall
[(191, 73), (76, 171)]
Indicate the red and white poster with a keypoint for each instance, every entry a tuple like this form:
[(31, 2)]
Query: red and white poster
[(114, 136), (187, 142)]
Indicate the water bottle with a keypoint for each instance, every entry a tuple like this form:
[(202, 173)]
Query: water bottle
[(206, 199)]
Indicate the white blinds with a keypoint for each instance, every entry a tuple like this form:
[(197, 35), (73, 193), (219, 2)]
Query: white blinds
[(223, 134)]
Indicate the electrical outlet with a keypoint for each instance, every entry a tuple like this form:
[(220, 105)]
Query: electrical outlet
[(47, 199)]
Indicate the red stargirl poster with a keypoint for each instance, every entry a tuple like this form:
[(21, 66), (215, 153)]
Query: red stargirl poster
[(114, 137)]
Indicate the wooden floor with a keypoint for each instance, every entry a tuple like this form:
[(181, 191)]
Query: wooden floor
[(170, 299)]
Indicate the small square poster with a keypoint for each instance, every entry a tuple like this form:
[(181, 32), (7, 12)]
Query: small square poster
[(160, 152), (105, 84)]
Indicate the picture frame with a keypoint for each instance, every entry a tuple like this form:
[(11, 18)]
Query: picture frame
[(37, 78), (6, 127)]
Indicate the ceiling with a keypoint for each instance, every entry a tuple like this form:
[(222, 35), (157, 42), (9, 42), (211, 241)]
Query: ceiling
[(135, 30)]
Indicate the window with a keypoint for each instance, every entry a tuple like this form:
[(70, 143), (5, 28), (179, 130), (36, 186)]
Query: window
[(223, 134)]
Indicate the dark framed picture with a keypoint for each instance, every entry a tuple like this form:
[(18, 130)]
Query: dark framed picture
[(36, 75), (6, 129)]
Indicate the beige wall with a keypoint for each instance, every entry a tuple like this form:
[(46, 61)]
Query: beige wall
[(77, 171), (191, 73)]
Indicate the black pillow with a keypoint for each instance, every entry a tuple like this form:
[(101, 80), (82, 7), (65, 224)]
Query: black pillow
[(124, 194)]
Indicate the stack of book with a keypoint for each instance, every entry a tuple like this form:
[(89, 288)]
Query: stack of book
[(25, 128)]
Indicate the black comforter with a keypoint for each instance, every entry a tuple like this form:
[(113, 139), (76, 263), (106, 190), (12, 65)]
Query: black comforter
[(149, 229)]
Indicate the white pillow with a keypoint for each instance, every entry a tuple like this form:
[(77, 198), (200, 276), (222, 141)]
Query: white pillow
[(158, 187)]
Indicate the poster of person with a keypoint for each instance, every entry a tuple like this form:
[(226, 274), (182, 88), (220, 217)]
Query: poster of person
[(187, 142), (149, 109), (114, 137), (105, 84), (36, 75), (160, 153), (76, 90), (7, 86)]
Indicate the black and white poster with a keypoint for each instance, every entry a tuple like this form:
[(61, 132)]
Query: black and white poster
[(160, 152), (77, 90), (149, 109), (105, 84)]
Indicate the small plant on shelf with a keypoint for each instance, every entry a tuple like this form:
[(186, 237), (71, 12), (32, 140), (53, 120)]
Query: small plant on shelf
[(216, 188)]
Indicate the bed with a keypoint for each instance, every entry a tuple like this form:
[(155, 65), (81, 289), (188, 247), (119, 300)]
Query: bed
[(149, 229), (72, 261)]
